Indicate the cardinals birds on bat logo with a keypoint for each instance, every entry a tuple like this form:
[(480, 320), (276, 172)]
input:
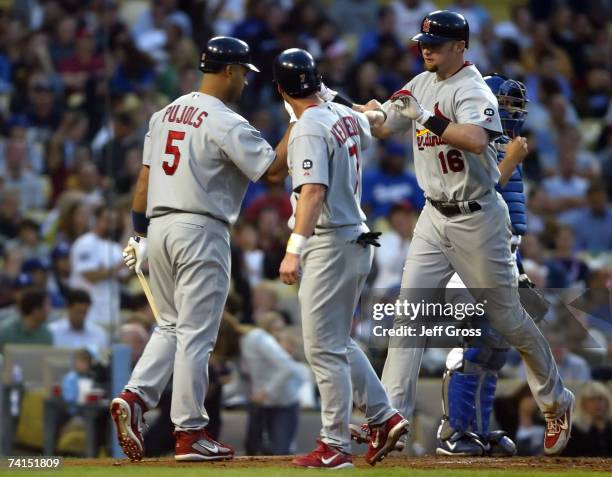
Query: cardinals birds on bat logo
[(426, 23)]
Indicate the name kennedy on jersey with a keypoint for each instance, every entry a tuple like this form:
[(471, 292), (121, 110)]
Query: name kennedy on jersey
[(345, 128), (185, 116)]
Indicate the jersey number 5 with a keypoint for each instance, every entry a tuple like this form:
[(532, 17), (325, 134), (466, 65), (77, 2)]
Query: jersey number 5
[(453, 159), (172, 149)]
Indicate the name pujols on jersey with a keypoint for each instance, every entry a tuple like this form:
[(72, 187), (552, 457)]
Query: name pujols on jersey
[(183, 114)]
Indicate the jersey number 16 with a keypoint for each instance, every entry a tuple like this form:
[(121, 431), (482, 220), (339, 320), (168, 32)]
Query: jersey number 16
[(452, 161)]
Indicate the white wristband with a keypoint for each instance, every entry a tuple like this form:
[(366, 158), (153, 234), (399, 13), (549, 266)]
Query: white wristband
[(296, 244)]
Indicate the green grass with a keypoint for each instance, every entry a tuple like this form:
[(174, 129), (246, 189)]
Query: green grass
[(205, 470)]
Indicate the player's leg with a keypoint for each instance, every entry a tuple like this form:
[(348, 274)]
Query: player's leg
[(154, 368), (426, 270), (482, 257), (385, 424), (327, 274), (199, 247)]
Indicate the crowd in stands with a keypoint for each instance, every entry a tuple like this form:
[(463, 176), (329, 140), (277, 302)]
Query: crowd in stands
[(80, 79)]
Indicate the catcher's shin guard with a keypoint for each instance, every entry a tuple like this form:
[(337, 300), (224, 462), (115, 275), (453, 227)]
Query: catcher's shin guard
[(458, 399)]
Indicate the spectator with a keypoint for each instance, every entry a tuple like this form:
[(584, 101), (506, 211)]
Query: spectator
[(574, 269), (370, 39), (29, 241), (408, 17), (78, 379), (97, 264), (83, 65), (73, 331), (567, 190), (592, 226), (274, 378), (246, 238), (592, 431), (18, 177), (136, 337), (59, 275), (28, 327), (391, 255), (476, 16), (390, 184), (10, 214), (36, 269), (275, 198)]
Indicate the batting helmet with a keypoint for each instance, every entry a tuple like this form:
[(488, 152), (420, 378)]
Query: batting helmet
[(221, 51), (443, 25), (296, 73), (512, 98)]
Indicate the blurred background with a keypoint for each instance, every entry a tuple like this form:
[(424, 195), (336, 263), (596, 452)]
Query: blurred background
[(79, 80)]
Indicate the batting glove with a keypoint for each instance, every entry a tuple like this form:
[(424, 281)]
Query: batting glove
[(135, 253), (327, 94), (408, 106)]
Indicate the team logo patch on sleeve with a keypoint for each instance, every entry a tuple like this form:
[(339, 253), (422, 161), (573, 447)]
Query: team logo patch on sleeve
[(307, 164), (489, 112)]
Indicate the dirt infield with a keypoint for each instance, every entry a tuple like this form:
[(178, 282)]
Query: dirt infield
[(515, 463)]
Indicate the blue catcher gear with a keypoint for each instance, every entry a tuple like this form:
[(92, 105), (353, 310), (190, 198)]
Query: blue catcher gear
[(512, 99), (467, 400)]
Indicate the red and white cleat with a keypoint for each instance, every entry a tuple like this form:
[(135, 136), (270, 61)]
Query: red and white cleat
[(127, 411), (324, 457), (200, 445), (558, 432), (384, 438)]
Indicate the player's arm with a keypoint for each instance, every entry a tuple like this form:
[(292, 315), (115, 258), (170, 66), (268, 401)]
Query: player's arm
[(516, 152), (308, 209), (278, 170), (384, 120), (469, 135), (135, 253)]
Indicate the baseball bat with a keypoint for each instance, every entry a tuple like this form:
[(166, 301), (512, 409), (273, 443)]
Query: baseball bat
[(147, 291)]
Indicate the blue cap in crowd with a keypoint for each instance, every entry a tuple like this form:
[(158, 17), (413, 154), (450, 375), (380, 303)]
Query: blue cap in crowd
[(23, 280), (61, 250), (33, 264)]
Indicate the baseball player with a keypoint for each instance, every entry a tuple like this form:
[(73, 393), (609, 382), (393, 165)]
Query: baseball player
[(330, 253), (465, 226), (198, 158), (471, 376)]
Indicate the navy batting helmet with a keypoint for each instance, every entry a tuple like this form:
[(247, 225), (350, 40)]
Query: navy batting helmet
[(221, 51), (296, 73), (512, 98), (442, 26)]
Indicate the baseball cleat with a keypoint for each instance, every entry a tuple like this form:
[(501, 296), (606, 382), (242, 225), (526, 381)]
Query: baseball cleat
[(558, 432), (127, 411), (200, 445), (324, 457), (360, 433), (461, 444), (384, 437), (498, 444)]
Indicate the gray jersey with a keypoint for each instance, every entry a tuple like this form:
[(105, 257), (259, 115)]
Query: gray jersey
[(201, 156), (324, 148), (443, 171)]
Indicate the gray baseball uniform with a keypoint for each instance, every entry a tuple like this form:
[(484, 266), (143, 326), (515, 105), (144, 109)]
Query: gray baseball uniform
[(471, 243), (324, 148), (201, 157)]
